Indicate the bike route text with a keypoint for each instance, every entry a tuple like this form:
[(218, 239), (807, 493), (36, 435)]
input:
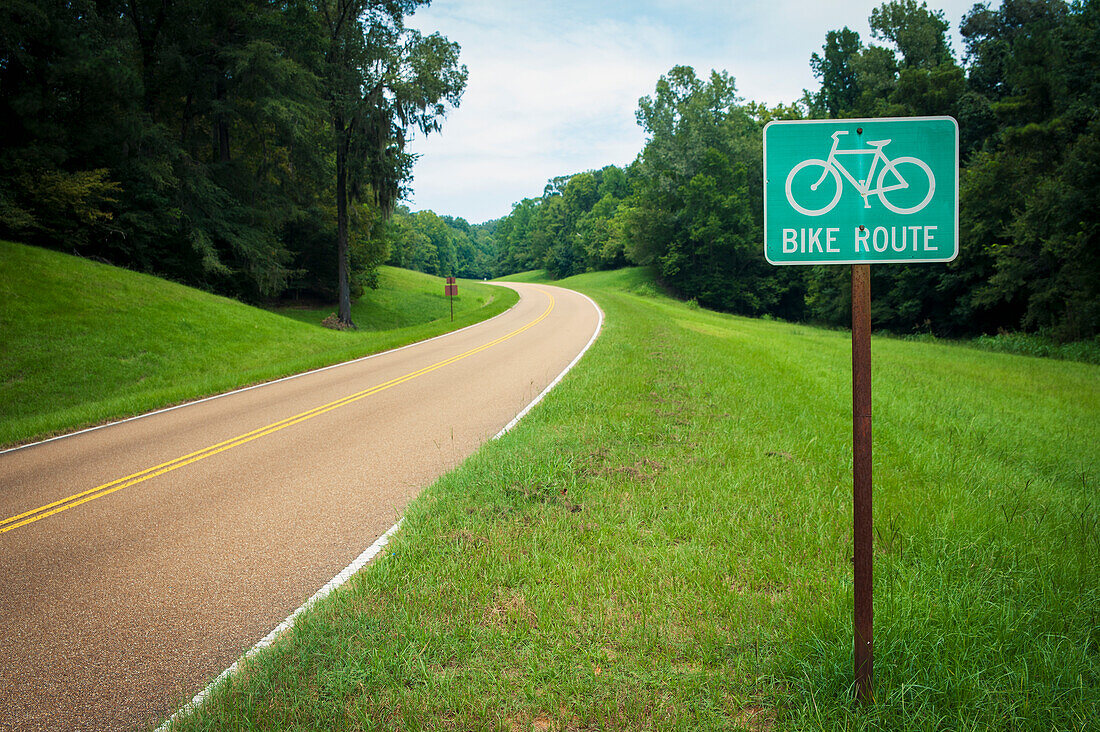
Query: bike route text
[(864, 239)]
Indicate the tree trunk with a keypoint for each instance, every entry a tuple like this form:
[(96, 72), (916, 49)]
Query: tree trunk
[(344, 311)]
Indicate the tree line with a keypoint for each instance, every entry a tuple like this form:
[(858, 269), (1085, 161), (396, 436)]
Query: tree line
[(440, 245), (1027, 99), (248, 147)]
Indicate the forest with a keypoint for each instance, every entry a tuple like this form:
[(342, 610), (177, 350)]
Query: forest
[(248, 147), (440, 245), (1026, 96)]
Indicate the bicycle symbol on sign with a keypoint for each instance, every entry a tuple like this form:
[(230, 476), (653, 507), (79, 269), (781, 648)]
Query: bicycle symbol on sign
[(896, 181)]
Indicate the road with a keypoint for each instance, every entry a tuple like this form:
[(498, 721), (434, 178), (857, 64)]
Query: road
[(142, 558)]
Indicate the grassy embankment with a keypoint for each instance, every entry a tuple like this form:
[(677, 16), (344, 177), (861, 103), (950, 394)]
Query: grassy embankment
[(85, 343), (664, 544), (1021, 344)]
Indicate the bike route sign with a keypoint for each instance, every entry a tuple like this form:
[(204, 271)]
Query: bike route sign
[(858, 191)]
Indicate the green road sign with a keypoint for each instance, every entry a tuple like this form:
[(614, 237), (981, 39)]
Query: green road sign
[(861, 191)]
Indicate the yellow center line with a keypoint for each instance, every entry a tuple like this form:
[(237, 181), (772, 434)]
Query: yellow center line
[(64, 504)]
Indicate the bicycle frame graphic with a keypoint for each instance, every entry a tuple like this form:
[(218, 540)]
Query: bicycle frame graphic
[(883, 184)]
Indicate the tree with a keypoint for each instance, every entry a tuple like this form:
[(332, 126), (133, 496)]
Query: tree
[(512, 238), (919, 34), (382, 80), (834, 68), (697, 211), (1034, 80)]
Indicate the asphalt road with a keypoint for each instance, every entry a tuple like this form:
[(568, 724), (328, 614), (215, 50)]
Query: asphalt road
[(141, 559)]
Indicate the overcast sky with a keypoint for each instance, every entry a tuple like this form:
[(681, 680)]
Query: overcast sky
[(554, 85)]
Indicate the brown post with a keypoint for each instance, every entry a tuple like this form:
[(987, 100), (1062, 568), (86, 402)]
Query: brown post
[(450, 290), (861, 477)]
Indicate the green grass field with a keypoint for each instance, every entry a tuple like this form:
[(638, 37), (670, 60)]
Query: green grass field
[(85, 343), (665, 543)]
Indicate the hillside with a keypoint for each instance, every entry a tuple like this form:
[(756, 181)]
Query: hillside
[(86, 342)]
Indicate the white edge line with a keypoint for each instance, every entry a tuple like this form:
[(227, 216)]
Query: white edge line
[(256, 386), (559, 377), (268, 639), (371, 551)]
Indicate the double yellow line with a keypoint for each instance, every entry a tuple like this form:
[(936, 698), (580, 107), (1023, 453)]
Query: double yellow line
[(37, 514)]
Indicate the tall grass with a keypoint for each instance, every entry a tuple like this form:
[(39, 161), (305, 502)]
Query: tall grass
[(1037, 345)]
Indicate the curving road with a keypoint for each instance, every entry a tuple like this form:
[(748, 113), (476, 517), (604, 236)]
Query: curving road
[(142, 558)]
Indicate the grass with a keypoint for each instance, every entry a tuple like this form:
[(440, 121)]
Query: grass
[(665, 544), (86, 343), (534, 275), (404, 298)]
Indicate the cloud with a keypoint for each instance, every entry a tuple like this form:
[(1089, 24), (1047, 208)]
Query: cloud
[(538, 104), (553, 86)]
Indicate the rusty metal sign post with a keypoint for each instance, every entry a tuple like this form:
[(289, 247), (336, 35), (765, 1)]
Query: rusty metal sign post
[(861, 191), (861, 479), (451, 290)]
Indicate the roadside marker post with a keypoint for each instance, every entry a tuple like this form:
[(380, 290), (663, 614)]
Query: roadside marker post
[(860, 192), (451, 290)]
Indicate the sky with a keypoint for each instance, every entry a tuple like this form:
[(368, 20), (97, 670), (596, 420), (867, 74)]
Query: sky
[(553, 85)]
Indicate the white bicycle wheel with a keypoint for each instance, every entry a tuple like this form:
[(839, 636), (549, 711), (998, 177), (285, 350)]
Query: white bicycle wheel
[(894, 165), (810, 189)]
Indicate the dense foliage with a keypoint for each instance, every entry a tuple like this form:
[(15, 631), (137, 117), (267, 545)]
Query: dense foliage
[(440, 245), (230, 145), (1027, 99)]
